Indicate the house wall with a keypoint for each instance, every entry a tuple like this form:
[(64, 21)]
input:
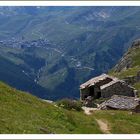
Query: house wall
[(84, 92), (96, 91), (117, 89), (137, 109)]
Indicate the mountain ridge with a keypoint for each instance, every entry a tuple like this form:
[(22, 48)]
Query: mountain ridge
[(128, 68), (69, 45)]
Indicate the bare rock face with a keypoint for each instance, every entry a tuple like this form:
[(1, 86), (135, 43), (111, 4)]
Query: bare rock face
[(136, 43), (123, 64), (118, 102), (126, 61)]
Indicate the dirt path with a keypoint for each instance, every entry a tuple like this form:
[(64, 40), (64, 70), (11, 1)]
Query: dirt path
[(103, 126), (88, 110)]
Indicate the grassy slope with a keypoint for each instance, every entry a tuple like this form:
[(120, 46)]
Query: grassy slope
[(134, 55), (120, 122), (24, 113)]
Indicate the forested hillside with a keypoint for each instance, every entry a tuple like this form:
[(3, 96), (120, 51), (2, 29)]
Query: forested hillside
[(50, 51)]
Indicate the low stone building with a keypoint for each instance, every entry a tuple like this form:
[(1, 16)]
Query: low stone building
[(105, 86), (119, 102)]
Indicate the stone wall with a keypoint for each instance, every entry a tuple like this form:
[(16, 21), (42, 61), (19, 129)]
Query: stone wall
[(84, 93), (96, 92), (132, 79), (137, 109), (92, 91), (117, 88)]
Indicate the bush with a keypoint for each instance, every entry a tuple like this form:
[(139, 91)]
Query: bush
[(70, 104), (101, 100)]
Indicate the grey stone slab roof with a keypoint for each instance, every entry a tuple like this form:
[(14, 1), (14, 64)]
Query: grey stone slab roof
[(110, 83), (121, 103), (95, 80)]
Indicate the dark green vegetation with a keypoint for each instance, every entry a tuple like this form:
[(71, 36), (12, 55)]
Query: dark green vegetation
[(83, 42), (70, 104), (18, 72), (25, 113)]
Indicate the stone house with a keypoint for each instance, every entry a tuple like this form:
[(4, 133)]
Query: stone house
[(119, 102), (105, 86)]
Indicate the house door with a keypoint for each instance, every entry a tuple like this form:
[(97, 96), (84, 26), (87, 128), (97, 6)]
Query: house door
[(98, 94), (91, 92)]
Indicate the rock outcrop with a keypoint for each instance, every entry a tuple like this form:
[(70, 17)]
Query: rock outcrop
[(126, 62)]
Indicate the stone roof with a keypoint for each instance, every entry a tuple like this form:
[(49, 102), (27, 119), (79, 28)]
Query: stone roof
[(121, 103), (114, 82), (110, 83), (95, 80)]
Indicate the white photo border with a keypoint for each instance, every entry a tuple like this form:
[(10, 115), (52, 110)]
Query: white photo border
[(69, 136)]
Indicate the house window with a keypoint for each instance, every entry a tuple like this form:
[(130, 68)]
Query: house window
[(98, 95), (85, 96), (91, 91)]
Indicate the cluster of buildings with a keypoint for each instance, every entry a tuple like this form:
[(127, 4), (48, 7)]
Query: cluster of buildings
[(118, 94)]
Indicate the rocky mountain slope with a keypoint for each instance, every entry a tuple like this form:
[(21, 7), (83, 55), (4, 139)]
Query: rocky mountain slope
[(128, 68)]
